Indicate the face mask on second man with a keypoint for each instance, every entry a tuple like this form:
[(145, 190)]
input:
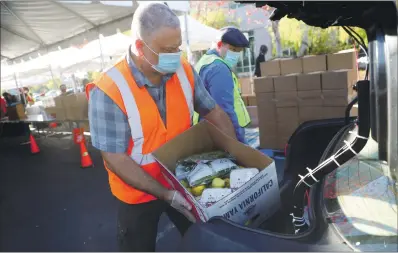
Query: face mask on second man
[(231, 57)]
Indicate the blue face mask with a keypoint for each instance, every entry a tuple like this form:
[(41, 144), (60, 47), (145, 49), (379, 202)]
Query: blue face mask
[(168, 62), (232, 58)]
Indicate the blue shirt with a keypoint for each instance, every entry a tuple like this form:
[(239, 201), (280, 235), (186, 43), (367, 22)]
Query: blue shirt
[(109, 127), (217, 78)]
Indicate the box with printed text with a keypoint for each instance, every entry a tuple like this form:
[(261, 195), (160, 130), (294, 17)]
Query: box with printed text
[(252, 203)]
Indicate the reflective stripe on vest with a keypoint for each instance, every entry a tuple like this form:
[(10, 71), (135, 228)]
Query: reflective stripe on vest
[(239, 107), (133, 114)]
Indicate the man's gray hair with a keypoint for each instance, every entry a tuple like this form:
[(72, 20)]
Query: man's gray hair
[(150, 17)]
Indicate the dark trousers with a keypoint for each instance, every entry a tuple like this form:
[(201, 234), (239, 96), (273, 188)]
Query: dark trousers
[(138, 224)]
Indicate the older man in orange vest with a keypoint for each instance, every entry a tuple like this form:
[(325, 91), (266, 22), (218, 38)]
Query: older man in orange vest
[(136, 106)]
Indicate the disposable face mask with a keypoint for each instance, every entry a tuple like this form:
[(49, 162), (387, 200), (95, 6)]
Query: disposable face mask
[(168, 62), (232, 58)]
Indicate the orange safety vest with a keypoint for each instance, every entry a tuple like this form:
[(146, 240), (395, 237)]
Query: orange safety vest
[(148, 131)]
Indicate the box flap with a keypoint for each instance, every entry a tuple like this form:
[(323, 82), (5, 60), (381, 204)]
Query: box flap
[(193, 141)]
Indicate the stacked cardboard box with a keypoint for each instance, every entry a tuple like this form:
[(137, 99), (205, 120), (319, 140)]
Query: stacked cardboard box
[(70, 107), (299, 90)]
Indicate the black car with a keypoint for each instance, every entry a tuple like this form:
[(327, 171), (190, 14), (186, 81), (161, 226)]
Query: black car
[(348, 200)]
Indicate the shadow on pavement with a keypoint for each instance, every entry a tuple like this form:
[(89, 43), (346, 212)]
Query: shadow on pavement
[(48, 203)]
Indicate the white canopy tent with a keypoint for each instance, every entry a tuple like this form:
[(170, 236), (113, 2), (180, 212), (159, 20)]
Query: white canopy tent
[(200, 36), (104, 48)]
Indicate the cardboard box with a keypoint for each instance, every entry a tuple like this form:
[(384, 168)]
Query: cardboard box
[(268, 126), (288, 116), (265, 99), (310, 98), (335, 97), (270, 68), (314, 63), (309, 113), (310, 81), (291, 66), (251, 100), (269, 141), (345, 60), (281, 141), (51, 111), (255, 201), (60, 109), (285, 83), (76, 106), (246, 85), (287, 128), (331, 112), (252, 110), (286, 99), (16, 112), (263, 84), (337, 80)]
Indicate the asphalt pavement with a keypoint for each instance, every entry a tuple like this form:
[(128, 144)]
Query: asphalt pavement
[(49, 203)]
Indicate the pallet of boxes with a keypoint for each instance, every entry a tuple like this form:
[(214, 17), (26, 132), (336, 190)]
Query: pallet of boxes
[(293, 91), (249, 98), (73, 107)]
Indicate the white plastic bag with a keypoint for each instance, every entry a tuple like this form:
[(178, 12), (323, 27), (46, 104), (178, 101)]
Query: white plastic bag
[(202, 174), (222, 167)]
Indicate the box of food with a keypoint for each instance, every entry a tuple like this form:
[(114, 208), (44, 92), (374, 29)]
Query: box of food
[(246, 85), (285, 83), (314, 63), (310, 98), (291, 66), (338, 79), (263, 84), (286, 99), (342, 60), (270, 68), (202, 158), (310, 81), (335, 97)]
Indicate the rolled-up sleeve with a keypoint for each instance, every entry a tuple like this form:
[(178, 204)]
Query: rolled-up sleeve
[(203, 102), (109, 128)]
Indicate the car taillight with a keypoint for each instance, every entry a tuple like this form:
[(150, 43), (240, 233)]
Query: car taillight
[(286, 149)]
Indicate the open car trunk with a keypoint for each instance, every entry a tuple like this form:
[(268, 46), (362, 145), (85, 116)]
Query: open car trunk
[(379, 19)]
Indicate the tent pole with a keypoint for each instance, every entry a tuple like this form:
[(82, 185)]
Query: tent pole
[(102, 55), (22, 93), (189, 53)]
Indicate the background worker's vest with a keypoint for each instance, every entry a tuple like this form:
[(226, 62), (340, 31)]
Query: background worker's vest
[(239, 105), (148, 131)]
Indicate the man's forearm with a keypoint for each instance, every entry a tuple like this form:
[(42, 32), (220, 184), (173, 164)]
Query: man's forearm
[(132, 174), (221, 120)]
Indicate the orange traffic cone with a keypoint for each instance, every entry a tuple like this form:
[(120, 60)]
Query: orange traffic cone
[(85, 157), (34, 148)]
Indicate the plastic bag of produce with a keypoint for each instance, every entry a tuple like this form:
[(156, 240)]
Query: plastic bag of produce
[(182, 172), (193, 160), (222, 167), (202, 174)]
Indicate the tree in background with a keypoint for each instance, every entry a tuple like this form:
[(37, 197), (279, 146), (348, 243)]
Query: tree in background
[(304, 39), (211, 14)]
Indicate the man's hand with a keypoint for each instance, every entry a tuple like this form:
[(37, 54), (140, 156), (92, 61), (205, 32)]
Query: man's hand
[(178, 202), (221, 120)]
